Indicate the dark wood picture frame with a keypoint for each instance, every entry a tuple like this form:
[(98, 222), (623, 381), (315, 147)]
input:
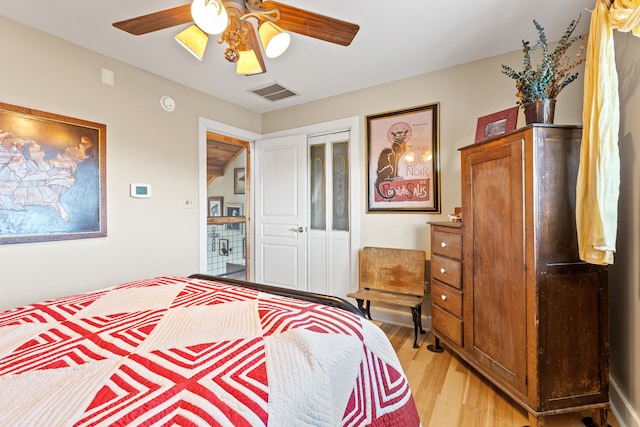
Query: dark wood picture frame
[(233, 210), (496, 124), (223, 247), (56, 187), (239, 181), (403, 160), (215, 207)]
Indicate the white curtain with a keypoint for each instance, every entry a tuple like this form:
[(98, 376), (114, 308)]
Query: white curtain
[(598, 183)]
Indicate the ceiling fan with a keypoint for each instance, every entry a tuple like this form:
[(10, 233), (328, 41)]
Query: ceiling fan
[(232, 20)]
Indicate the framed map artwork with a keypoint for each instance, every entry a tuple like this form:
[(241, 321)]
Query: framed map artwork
[(52, 177), (403, 161)]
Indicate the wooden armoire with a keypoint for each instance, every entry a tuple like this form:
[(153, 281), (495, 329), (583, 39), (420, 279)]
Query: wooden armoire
[(534, 318)]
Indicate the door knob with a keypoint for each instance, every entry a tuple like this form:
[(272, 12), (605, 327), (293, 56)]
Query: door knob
[(300, 229)]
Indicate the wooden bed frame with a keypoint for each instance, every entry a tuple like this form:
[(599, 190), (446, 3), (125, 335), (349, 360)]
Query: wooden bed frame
[(327, 300)]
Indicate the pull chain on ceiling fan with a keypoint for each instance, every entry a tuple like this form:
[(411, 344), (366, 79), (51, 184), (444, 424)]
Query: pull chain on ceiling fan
[(231, 19)]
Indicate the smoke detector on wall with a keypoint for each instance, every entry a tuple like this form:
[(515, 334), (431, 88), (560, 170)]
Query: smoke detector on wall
[(168, 103)]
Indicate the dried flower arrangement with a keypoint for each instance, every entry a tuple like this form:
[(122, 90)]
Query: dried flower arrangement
[(546, 80)]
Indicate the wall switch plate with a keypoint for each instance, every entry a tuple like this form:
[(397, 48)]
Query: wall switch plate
[(108, 77), (187, 204)]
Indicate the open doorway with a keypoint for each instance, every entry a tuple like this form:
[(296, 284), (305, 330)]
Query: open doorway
[(228, 206)]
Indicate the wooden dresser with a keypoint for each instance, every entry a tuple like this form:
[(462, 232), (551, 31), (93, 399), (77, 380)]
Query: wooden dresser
[(446, 281), (534, 317)]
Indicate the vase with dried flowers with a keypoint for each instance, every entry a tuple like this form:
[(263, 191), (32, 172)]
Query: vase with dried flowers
[(538, 86)]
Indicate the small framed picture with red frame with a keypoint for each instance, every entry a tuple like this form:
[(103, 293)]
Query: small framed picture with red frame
[(496, 124)]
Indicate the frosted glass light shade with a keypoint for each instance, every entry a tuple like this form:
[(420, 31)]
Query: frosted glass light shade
[(194, 40), (248, 63), (274, 40), (209, 15)]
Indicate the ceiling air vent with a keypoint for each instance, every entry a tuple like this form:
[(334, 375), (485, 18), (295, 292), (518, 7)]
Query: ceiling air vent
[(274, 92)]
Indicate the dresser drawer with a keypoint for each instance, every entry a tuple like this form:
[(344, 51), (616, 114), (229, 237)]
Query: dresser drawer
[(446, 270), (447, 325), (446, 297), (447, 244)]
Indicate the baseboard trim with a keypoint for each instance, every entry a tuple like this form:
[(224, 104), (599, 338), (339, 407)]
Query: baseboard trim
[(621, 407)]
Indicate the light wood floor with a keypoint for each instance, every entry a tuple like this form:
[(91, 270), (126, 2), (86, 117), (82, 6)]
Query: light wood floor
[(450, 394)]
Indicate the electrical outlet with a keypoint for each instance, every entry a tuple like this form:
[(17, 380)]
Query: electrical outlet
[(187, 204)]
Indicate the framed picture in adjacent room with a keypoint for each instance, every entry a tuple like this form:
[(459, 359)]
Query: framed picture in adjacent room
[(215, 206), (223, 247), (239, 181), (233, 210)]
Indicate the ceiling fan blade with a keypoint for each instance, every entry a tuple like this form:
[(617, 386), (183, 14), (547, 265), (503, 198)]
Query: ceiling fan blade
[(312, 24), (156, 21)]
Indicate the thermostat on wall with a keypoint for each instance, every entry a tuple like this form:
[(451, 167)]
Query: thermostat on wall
[(141, 191)]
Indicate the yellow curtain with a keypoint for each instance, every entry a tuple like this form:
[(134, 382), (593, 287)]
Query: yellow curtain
[(598, 183)]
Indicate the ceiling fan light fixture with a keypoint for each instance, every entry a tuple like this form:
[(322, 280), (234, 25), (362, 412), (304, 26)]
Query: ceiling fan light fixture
[(210, 15), (274, 40), (194, 40), (248, 63)]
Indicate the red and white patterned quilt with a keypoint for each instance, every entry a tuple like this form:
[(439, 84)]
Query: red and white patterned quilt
[(190, 352)]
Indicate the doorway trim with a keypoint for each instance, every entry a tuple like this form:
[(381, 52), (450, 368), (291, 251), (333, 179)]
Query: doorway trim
[(351, 124), (205, 125)]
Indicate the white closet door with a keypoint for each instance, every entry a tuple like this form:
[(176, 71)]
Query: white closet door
[(280, 214)]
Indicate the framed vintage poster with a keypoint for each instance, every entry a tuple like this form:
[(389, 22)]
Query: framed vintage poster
[(403, 160), (52, 177)]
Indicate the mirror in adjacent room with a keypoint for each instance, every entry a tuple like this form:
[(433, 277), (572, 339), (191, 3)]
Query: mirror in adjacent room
[(228, 207)]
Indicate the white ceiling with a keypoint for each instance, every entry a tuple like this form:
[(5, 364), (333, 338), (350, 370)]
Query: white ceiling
[(397, 39)]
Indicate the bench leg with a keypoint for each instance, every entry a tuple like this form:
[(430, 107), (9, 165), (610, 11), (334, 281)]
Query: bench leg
[(365, 308), (415, 313), (422, 331)]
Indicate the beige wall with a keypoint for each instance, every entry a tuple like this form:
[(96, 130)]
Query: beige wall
[(624, 275), (465, 93), (146, 144)]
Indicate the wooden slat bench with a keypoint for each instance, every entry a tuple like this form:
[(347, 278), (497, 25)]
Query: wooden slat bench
[(392, 276)]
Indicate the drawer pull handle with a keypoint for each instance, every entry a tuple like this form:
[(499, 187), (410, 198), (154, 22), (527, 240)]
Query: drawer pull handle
[(443, 270), (444, 297), (443, 244)]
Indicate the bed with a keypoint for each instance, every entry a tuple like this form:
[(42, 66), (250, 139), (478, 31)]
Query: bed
[(198, 351)]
